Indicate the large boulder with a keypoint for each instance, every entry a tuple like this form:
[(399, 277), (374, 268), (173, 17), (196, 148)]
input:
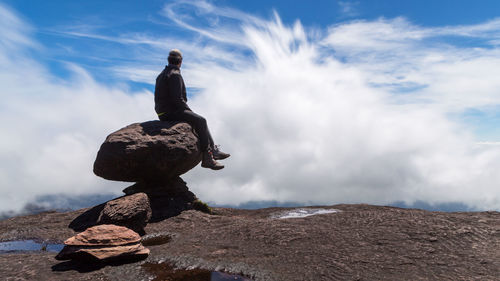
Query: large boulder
[(104, 243), (153, 151)]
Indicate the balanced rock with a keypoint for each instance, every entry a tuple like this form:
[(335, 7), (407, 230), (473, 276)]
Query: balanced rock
[(103, 243), (150, 151), (132, 211)]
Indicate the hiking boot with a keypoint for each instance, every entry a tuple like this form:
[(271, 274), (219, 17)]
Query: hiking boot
[(219, 155), (209, 162)]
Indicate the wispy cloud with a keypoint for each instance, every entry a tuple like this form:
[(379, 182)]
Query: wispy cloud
[(358, 114), (210, 21), (396, 53), (348, 9)]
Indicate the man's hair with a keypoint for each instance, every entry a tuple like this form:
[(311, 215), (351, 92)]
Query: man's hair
[(174, 57)]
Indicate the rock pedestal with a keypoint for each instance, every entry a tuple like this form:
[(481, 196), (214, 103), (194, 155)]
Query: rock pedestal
[(166, 199)]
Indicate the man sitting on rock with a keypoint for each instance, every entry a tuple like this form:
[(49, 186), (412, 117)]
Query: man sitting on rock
[(170, 105)]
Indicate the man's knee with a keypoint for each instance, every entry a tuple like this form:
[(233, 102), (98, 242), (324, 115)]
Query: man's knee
[(203, 120), (198, 119)]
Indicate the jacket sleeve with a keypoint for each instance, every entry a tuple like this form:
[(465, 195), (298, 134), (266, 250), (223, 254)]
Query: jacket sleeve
[(175, 89)]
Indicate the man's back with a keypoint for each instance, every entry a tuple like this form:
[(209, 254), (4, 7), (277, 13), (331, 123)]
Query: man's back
[(170, 91)]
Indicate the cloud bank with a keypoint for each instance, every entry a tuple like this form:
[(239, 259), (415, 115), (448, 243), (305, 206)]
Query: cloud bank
[(362, 111), (52, 128)]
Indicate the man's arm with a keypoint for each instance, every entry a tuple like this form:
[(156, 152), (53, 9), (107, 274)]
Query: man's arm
[(175, 91)]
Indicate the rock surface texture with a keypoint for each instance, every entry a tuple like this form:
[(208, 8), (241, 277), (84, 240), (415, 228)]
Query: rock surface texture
[(132, 211), (360, 242), (104, 243), (152, 151)]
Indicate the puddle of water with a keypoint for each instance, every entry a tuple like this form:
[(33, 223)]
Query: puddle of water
[(28, 245), (303, 212), (165, 271), (155, 239)]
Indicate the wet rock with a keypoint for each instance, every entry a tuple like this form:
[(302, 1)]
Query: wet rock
[(103, 243), (152, 151), (167, 199), (132, 211), (344, 245)]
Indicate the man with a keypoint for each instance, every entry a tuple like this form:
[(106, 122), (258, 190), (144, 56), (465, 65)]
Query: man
[(170, 105)]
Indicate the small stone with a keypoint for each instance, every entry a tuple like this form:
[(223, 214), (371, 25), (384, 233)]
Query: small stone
[(132, 211), (433, 239)]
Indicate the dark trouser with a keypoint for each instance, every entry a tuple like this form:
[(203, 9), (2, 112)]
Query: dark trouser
[(198, 122)]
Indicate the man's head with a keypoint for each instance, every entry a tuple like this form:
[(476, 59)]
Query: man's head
[(175, 57)]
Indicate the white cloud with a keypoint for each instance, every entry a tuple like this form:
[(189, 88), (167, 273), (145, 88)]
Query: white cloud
[(395, 53), (319, 132), (488, 143), (319, 120), (348, 9), (52, 129)]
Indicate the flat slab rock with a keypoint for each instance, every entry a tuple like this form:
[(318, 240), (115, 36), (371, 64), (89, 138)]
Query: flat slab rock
[(104, 235), (103, 243), (150, 151), (359, 242)]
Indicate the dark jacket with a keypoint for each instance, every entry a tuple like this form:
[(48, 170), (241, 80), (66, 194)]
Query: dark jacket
[(170, 91)]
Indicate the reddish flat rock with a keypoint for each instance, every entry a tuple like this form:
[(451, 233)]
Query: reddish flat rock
[(104, 235), (103, 243), (98, 253)]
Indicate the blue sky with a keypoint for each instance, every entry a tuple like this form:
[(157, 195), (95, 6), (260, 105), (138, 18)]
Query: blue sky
[(110, 18), (321, 13), (365, 101)]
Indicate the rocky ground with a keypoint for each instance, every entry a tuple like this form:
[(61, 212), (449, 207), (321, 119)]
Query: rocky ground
[(361, 242)]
